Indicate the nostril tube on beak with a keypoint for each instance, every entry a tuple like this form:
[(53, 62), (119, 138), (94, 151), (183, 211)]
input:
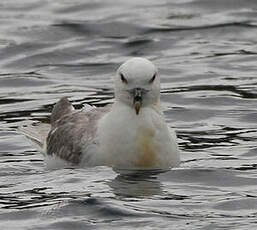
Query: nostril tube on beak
[(137, 94)]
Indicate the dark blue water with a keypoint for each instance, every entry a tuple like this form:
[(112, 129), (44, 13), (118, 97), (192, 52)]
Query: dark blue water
[(206, 51)]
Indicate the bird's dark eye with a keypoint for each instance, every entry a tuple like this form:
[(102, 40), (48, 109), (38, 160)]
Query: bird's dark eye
[(123, 79), (152, 79)]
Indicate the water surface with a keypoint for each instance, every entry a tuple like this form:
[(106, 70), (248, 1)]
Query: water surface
[(207, 55)]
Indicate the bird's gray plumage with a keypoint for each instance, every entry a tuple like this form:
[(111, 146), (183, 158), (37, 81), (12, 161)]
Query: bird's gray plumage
[(71, 130)]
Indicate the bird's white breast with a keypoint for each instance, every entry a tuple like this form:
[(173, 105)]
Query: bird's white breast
[(128, 140)]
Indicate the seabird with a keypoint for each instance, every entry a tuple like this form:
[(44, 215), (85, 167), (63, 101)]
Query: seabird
[(130, 133)]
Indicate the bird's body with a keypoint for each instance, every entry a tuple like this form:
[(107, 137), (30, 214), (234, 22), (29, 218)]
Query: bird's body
[(131, 133)]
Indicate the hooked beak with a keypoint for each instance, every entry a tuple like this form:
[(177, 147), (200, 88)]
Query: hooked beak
[(137, 94)]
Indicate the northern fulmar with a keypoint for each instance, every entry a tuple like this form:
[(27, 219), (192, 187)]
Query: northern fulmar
[(130, 133)]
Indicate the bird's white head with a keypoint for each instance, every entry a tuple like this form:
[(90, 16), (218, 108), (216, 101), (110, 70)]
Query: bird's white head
[(137, 83)]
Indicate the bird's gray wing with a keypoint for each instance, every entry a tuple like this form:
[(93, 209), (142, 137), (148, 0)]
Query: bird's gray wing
[(72, 131)]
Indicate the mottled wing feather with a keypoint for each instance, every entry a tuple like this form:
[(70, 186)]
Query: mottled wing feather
[(62, 107), (72, 132)]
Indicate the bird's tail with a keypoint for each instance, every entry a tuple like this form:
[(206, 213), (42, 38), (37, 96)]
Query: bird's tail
[(37, 134)]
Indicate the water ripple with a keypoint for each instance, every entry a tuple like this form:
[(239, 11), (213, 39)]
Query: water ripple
[(205, 51)]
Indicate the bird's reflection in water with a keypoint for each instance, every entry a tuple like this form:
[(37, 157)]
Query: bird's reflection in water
[(136, 183)]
